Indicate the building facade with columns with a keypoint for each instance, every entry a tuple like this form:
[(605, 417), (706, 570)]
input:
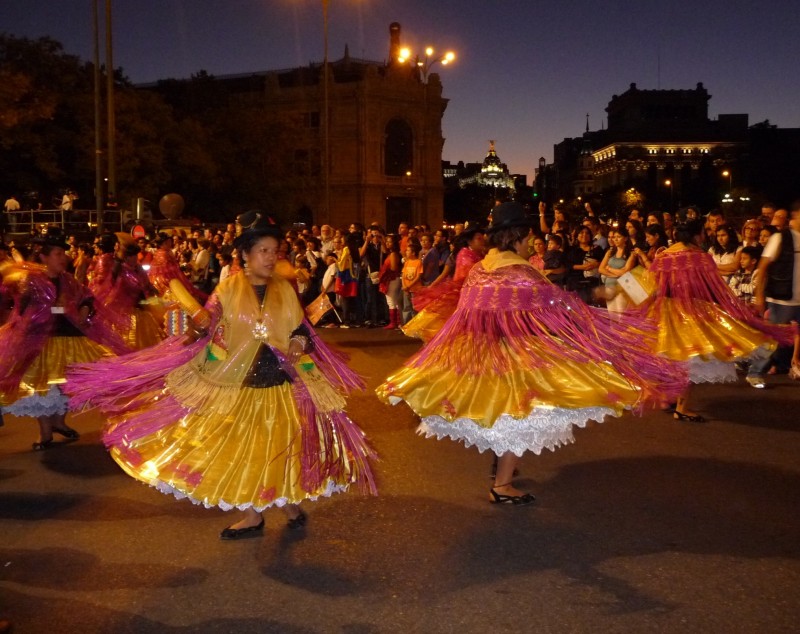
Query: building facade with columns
[(660, 141)]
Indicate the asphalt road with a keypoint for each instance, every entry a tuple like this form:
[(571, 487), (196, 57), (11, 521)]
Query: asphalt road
[(643, 525)]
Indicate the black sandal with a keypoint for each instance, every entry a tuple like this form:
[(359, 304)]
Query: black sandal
[(67, 432), (514, 500), (231, 534), (689, 418), (41, 446), (297, 522)]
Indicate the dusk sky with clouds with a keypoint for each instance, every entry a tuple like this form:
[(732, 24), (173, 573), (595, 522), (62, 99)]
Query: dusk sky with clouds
[(527, 71)]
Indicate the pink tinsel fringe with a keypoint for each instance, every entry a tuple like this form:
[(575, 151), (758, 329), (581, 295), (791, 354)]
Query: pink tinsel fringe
[(690, 276), (491, 318)]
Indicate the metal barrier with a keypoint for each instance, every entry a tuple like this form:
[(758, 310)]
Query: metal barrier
[(82, 221)]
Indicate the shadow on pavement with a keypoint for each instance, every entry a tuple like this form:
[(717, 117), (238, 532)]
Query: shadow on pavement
[(89, 460), (85, 508), (81, 571), (748, 409), (418, 548), (31, 614)]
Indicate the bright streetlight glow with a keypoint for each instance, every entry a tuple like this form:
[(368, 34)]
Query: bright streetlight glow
[(427, 62)]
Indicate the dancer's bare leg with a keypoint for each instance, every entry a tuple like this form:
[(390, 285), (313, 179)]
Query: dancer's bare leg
[(251, 518), (505, 473)]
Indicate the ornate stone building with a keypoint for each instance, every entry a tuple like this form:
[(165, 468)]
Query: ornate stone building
[(660, 135), (377, 154), (492, 173)]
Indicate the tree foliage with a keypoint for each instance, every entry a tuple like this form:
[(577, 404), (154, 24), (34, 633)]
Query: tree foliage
[(191, 137)]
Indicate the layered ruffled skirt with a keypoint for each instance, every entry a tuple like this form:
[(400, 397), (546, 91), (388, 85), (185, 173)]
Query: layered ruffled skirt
[(435, 306), (705, 337), (521, 362), (223, 445), (246, 456), (39, 393)]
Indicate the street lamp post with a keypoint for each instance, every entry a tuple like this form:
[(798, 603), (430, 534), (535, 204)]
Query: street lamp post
[(729, 175), (426, 63), (98, 145), (668, 183)]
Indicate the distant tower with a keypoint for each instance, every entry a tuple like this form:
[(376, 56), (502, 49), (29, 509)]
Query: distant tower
[(493, 171), (394, 43)]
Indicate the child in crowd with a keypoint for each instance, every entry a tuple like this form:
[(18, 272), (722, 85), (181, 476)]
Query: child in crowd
[(554, 268), (225, 262), (430, 259), (743, 281), (411, 278), (302, 273)]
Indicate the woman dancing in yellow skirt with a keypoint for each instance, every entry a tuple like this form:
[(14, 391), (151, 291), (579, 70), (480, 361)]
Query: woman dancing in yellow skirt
[(54, 322), (248, 416), (521, 361), (700, 321)]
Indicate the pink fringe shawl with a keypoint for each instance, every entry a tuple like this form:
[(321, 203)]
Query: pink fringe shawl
[(505, 308), (691, 277), (126, 389), (31, 323)]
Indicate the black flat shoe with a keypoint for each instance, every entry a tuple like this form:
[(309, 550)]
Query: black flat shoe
[(297, 522), (514, 500), (41, 446), (243, 533), (695, 418), (67, 432)]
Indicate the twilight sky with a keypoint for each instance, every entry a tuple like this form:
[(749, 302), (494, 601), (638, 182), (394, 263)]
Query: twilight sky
[(527, 73)]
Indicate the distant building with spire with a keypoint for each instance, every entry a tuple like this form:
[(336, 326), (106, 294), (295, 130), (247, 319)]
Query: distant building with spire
[(491, 173)]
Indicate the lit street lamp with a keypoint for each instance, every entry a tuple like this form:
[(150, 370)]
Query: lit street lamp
[(428, 61), (729, 175), (668, 183)]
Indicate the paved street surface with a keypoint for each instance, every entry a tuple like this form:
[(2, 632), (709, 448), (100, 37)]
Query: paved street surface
[(644, 525)]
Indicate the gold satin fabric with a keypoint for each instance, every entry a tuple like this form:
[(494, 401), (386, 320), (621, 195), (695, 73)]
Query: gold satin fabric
[(144, 331), (424, 325), (239, 446), (702, 329), (555, 382), (248, 455), (51, 365)]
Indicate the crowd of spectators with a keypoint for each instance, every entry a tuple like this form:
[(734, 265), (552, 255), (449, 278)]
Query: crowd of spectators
[(586, 254), (370, 275)]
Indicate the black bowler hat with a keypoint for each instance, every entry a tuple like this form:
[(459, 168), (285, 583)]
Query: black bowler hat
[(256, 222), (509, 215), (254, 219), (107, 243)]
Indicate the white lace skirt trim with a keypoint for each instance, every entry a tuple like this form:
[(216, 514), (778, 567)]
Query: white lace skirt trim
[(711, 370), (330, 488), (38, 405), (541, 429)]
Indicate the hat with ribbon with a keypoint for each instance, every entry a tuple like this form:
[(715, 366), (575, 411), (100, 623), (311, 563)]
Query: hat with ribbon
[(256, 223)]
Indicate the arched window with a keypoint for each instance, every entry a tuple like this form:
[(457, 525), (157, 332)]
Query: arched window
[(398, 149)]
